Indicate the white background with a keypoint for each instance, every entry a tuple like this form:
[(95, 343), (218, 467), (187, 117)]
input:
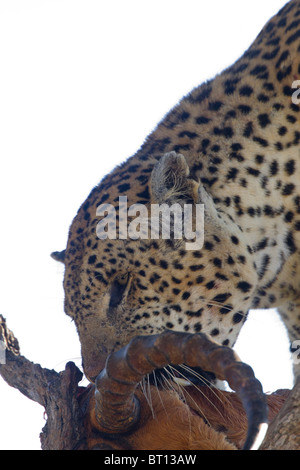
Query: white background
[(82, 83)]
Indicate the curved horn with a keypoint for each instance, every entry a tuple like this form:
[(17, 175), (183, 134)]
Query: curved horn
[(117, 409)]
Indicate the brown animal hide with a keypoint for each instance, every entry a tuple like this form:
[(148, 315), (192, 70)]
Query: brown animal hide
[(195, 418)]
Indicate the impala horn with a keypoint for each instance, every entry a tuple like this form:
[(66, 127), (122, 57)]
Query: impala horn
[(117, 408)]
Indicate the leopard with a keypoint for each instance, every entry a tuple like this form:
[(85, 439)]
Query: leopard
[(232, 146)]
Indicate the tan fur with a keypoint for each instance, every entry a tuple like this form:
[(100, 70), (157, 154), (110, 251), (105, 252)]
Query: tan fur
[(231, 144), (202, 419)]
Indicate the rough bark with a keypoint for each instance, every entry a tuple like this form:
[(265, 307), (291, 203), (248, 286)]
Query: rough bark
[(284, 431), (58, 392)]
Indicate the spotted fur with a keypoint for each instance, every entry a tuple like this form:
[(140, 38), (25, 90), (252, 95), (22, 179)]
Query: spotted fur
[(233, 144)]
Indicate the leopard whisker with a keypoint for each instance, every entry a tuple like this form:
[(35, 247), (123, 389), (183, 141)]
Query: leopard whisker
[(184, 392), (147, 394), (158, 391), (208, 384), (169, 371)]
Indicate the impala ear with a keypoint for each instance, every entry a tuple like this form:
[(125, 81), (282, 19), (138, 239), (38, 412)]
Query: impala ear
[(170, 182), (59, 256)]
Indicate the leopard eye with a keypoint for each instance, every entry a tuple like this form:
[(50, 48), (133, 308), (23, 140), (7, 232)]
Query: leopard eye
[(123, 279), (118, 289)]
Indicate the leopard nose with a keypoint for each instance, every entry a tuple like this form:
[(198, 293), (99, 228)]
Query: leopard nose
[(93, 368)]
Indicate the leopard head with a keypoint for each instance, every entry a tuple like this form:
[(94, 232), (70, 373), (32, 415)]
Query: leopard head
[(135, 282)]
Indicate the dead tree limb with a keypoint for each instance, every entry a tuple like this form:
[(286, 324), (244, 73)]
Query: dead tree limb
[(284, 431), (56, 392)]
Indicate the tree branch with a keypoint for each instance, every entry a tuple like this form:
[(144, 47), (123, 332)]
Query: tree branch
[(284, 431), (56, 392)]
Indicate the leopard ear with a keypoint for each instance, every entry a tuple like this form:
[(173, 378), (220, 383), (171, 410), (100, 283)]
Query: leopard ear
[(59, 256), (170, 182)]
